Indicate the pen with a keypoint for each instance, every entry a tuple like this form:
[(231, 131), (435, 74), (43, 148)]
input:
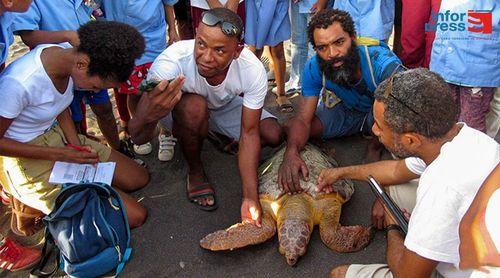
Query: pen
[(78, 148)]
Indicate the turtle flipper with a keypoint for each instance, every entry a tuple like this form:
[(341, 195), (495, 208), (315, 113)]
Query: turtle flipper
[(240, 235), (342, 238)]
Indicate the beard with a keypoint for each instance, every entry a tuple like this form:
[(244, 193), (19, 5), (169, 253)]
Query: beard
[(345, 74), (399, 151)]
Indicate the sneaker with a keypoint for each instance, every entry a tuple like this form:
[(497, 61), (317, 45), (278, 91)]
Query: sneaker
[(14, 257), (5, 196), (127, 150), (143, 149), (166, 147)]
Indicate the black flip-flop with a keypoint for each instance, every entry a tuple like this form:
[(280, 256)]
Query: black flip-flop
[(204, 189), (284, 104)]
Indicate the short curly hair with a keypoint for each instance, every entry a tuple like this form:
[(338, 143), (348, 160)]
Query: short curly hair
[(427, 94), (324, 18), (112, 48)]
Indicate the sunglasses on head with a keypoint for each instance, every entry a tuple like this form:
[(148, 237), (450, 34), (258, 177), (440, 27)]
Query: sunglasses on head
[(227, 28)]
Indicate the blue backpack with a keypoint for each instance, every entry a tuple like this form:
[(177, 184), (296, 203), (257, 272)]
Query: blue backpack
[(90, 229)]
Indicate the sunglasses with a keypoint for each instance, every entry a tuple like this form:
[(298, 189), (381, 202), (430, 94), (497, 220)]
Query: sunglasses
[(388, 92), (227, 28)]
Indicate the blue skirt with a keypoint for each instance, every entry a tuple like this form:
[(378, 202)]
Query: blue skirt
[(267, 22)]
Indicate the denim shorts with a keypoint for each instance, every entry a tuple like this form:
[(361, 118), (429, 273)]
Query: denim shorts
[(341, 120)]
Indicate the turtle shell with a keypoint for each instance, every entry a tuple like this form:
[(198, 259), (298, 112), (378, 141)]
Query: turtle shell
[(315, 159)]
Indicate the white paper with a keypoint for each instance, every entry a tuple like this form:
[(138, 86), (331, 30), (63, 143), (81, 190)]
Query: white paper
[(65, 172)]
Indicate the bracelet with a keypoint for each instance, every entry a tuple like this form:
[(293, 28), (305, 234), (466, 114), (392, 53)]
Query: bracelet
[(394, 227)]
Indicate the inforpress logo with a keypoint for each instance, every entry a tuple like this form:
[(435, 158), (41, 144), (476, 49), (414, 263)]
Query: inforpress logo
[(475, 21)]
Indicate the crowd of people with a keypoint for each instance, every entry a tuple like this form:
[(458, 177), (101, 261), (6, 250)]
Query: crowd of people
[(431, 100)]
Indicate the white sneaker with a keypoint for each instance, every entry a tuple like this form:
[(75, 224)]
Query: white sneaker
[(143, 149), (166, 147), (289, 90)]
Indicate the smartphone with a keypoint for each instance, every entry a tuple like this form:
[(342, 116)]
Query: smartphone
[(149, 85)]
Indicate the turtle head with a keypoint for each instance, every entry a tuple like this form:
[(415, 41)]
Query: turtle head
[(293, 237)]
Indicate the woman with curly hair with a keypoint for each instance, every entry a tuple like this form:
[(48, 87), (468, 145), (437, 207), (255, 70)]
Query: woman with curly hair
[(35, 123)]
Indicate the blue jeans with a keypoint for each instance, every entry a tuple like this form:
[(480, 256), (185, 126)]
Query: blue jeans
[(301, 49)]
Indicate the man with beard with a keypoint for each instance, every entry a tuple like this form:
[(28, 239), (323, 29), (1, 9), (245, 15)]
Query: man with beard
[(416, 119), (223, 90), (337, 90)]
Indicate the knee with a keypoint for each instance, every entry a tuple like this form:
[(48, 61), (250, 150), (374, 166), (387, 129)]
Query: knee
[(142, 178), (137, 180), (339, 271), (138, 217), (191, 111), (271, 132)]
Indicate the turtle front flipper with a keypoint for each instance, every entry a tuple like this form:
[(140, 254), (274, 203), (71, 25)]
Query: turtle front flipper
[(342, 238), (295, 225), (240, 235)]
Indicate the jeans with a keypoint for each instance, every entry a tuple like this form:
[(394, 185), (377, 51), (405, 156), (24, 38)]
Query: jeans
[(301, 50)]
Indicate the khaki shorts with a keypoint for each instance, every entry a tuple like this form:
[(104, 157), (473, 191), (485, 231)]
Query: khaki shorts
[(404, 196), (28, 179)]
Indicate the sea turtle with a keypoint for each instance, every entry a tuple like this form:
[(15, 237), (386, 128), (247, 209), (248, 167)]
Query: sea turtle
[(296, 215)]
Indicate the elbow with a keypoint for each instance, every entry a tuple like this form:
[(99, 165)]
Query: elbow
[(27, 38)]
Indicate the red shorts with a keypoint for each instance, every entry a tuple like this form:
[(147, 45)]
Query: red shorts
[(130, 87)]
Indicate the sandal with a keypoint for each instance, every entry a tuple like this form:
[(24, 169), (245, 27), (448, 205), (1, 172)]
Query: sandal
[(201, 189), (123, 132), (284, 104), (223, 143)]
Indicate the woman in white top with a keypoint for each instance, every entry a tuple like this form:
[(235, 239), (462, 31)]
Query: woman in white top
[(35, 123)]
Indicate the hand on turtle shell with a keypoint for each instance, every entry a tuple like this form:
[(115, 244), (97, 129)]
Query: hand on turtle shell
[(327, 178), (288, 173), (251, 212)]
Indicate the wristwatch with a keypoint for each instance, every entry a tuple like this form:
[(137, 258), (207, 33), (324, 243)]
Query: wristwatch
[(394, 227)]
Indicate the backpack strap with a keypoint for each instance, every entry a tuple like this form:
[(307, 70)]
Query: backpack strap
[(48, 249), (125, 258), (365, 42)]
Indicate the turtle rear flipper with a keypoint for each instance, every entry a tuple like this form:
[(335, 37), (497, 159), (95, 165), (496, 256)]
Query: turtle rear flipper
[(240, 235), (342, 238)]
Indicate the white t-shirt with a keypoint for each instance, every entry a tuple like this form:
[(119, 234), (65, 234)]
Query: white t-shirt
[(445, 191), (492, 218), (202, 4), (29, 97), (245, 75)]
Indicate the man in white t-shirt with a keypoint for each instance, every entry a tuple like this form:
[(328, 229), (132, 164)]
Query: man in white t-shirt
[(224, 89), (415, 118)]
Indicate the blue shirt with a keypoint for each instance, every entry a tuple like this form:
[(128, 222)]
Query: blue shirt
[(463, 57), (148, 16), (53, 15), (360, 97), (372, 18), (6, 37), (305, 6)]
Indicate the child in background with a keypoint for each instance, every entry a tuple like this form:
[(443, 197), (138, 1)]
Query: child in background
[(268, 23), (152, 19)]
